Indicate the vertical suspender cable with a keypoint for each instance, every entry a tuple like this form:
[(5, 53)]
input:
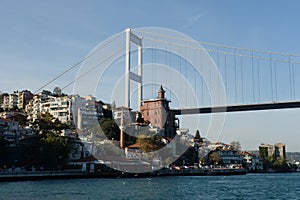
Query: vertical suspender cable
[(225, 64), (195, 74), (210, 82), (155, 70), (290, 75), (293, 69), (271, 76), (218, 63), (185, 74), (180, 83), (242, 79), (258, 80), (235, 75), (166, 63), (170, 74), (152, 71), (202, 81), (253, 84), (275, 76)]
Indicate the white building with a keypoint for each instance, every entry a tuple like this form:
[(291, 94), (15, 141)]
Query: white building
[(10, 101), (16, 100), (58, 107), (87, 111), (230, 156), (84, 112), (23, 98), (123, 116), (252, 161), (33, 108)]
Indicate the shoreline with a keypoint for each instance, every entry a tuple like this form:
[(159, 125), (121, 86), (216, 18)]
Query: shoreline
[(32, 176), (50, 175)]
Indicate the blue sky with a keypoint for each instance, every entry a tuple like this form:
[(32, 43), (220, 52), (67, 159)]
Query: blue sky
[(39, 39)]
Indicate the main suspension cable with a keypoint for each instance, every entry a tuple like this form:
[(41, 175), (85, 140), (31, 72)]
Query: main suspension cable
[(77, 63), (93, 68)]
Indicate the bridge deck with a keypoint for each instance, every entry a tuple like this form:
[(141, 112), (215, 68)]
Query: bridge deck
[(238, 108)]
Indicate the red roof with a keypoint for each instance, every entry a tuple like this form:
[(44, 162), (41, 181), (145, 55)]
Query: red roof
[(138, 146), (134, 146)]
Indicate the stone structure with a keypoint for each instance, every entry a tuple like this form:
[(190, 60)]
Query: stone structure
[(277, 150)]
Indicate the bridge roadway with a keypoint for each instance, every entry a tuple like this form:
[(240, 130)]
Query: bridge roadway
[(238, 108)]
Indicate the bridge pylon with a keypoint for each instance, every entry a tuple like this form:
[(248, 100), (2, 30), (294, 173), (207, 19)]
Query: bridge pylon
[(130, 37)]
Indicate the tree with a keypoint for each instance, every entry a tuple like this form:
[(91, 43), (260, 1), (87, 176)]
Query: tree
[(149, 143), (215, 158), (58, 126), (198, 137), (236, 145), (43, 122), (46, 123), (54, 150), (110, 128), (263, 152), (145, 143), (202, 161)]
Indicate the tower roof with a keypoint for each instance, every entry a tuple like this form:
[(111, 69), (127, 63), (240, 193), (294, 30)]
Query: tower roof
[(161, 89), (161, 93)]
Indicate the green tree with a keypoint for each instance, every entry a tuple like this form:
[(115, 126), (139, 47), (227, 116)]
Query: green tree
[(279, 162), (54, 150), (149, 143), (46, 123), (145, 143), (110, 128), (197, 135), (236, 145), (263, 152), (215, 158), (202, 161), (189, 157)]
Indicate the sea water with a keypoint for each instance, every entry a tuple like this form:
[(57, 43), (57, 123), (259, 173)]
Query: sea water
[(250, 186)]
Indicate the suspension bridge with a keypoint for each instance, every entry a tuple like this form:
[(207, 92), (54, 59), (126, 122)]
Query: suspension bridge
[(207, 77)]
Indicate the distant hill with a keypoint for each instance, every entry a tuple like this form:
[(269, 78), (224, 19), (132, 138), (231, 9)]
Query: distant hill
[(293, 156)]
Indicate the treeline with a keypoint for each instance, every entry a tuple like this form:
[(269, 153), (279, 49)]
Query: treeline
[(46, 150)]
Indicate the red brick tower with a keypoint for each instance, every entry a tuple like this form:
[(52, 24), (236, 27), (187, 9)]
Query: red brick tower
[(158, 113)]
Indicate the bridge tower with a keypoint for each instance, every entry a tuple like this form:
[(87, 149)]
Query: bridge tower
[(130, 37)]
